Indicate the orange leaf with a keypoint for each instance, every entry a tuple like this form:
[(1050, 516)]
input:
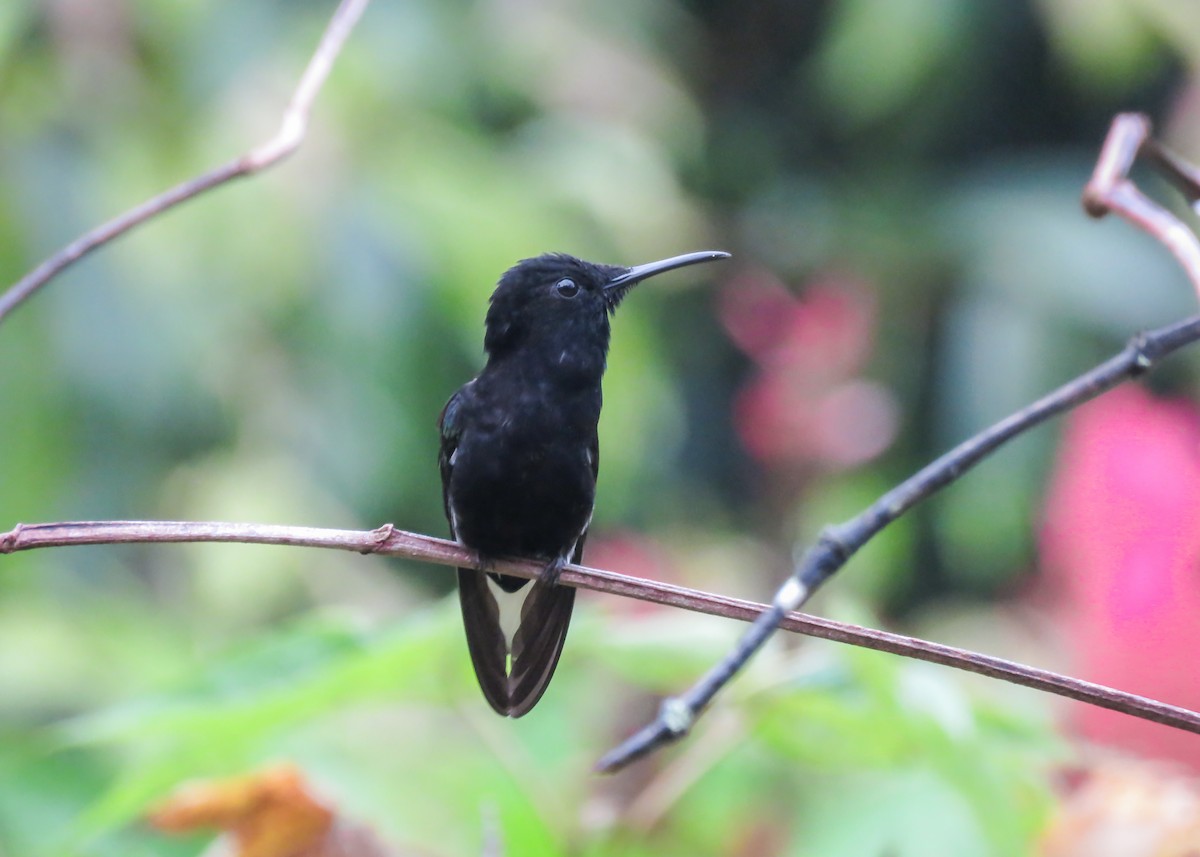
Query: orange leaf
[(268, 814)]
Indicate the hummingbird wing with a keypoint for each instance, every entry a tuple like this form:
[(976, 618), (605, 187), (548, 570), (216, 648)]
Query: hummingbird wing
[(485, 638), (450, 428), (545, 617), (539, 640), (481, 615)]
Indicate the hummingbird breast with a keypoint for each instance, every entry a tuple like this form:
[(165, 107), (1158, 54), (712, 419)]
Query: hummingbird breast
[(523, 481)]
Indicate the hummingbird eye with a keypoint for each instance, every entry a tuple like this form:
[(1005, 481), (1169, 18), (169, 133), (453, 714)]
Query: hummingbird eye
[(566, 288)]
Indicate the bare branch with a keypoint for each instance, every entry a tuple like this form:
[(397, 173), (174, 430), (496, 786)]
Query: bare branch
[(285, 141), (1183, 175), (1109, 189), (389, 541)]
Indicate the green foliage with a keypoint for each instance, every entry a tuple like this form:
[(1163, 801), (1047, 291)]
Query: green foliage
[(390, 722)]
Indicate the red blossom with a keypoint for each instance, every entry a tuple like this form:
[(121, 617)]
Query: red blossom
[(806, 403)]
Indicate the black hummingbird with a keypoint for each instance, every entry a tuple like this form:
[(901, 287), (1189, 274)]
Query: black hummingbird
[(520, 454)]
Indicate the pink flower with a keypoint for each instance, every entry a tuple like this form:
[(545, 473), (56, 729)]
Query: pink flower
[(806, 405), (1121, 550)]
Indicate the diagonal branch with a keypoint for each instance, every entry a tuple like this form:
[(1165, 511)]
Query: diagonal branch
[(389, 541), (1109, 189), (285, 141)]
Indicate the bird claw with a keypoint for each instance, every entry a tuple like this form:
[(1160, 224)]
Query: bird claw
[(485, 564), (552, 571)]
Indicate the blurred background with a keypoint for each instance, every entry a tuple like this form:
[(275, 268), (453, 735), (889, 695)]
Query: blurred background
[(898, 181)]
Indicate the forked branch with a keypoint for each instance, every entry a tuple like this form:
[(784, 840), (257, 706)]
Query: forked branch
[(1110, 189)]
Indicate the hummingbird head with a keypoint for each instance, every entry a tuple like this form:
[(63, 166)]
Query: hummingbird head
[(563, 303)]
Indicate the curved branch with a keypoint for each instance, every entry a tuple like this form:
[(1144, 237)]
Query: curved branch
[(285, 141), (389, 541), (1109, 189), (839, 543)]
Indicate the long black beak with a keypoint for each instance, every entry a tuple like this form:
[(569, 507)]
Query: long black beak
[(638, 273)]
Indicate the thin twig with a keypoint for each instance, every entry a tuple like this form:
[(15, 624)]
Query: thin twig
[(389, 541), (285, 141), (1183, 175), (1109, 189)]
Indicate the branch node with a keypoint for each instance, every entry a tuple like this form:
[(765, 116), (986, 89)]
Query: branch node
[(834, 546), (1143, 360), (284, 143), (1125, 138), (1095, 200), (676, 716), (380, 536), (8, 541)]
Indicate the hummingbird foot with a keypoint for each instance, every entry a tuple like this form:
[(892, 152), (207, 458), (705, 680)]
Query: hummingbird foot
[(552, 571)]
